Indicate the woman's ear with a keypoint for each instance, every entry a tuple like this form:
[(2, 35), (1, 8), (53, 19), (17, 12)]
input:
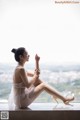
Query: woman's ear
[(20, 56)]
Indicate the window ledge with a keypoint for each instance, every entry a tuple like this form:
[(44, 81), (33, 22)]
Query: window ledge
[(44, 106), (44, 111)]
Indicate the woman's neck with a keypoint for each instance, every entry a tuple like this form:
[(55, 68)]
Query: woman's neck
[(21, 64)]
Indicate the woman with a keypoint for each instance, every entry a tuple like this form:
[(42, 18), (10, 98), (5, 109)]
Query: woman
[(24, 91)]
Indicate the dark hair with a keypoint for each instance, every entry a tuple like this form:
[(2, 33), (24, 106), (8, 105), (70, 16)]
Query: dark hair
[(18, 52)]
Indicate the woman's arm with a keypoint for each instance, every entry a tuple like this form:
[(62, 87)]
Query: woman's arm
[(25, 79), (37, 58), (30, 74)]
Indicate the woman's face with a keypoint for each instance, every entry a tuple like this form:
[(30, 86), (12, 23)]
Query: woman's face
[(25, 56)]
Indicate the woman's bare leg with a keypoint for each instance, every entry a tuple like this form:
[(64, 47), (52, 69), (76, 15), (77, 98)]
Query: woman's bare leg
[(41, 86)]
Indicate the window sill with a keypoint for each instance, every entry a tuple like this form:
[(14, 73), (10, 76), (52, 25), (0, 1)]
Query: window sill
[(44, 106), (44, 111)]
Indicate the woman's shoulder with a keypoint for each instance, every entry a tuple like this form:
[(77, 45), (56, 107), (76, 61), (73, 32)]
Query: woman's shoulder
[(20, 69)]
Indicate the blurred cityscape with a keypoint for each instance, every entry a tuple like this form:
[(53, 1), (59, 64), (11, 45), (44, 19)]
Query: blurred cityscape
[(65, 78)]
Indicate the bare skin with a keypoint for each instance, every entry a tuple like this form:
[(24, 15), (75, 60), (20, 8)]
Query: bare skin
[(20, 75)]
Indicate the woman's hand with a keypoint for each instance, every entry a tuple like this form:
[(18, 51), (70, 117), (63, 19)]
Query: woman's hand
[(36, 76), (37, 71), (37, 58)]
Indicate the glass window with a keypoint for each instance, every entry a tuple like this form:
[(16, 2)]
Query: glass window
[(65, 79)]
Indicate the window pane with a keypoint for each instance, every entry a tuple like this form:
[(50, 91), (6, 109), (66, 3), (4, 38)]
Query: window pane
[(65, 79)]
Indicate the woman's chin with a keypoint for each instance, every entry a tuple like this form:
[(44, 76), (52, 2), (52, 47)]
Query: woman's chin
[(27, 60)]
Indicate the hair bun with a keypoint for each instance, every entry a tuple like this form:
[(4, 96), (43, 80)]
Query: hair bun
[(13, 50)]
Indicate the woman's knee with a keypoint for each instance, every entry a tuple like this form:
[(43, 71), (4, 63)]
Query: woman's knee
[(40, 81), (42, 85)]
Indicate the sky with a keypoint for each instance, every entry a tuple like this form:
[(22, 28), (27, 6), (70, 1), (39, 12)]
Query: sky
[(41, 26)]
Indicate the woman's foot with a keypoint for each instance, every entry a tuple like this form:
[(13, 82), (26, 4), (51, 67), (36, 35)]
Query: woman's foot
[(68, 100)]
